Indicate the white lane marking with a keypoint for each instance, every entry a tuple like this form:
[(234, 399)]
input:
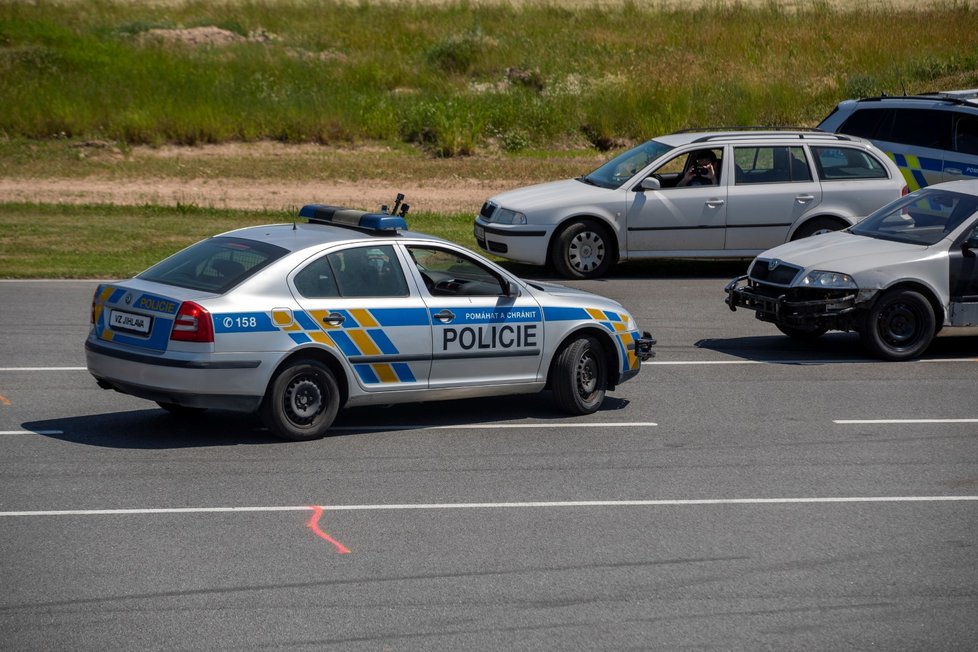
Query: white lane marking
[(511, 505), (865, 421), (32, 432), (790, 362), (43, 369), (497, 426)]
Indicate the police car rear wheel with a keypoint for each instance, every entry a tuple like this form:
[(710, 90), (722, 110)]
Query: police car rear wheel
[(302, 401), (580, 377), (899, 326)]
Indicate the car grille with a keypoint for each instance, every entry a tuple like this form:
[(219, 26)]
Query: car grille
[(782, 274), (487, 210)]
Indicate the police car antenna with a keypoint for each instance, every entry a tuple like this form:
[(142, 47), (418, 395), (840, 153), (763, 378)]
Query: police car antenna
[(295, 212)]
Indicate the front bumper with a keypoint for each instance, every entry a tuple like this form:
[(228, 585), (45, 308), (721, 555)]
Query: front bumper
[(522, 243), (833, 310)]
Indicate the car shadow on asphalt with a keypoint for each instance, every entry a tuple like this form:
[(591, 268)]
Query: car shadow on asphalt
[(156, 429), (829, 349)]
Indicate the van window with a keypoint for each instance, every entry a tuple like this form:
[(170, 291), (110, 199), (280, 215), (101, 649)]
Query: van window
[(966, 135), (917, 127)]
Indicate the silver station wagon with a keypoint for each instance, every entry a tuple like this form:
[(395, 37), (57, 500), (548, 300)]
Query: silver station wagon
[(902, 276), (295, 321), (692, 195)]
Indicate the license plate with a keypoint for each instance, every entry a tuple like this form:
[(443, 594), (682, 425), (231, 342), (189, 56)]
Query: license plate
[(128, 321), (480, 233)]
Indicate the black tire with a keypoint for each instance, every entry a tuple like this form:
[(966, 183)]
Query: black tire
[(302, 401), (580, 377), (802, 334), (899, 326), (180, 410), (817, 226), (583, 250)]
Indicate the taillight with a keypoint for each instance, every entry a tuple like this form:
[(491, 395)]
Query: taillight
[(91, 314), (192, 324), (905, 191)]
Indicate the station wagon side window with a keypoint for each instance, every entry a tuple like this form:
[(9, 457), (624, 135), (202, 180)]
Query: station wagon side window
[(672, 171), (777, 164), (371, 271), (835, 163), (448, 273)]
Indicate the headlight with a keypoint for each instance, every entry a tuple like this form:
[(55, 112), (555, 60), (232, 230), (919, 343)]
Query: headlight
[(828, 281), (506, 216)]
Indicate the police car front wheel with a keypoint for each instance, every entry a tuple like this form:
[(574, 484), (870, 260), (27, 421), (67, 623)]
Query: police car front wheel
[(302, 401), (580, 377)]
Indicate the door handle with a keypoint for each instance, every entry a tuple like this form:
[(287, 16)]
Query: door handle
[(334, 319), (955, 171), (713, 203), (445, 316), (804, 199)]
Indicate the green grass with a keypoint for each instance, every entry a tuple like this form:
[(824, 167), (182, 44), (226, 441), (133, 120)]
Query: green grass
[(441, 75), (102, 241)]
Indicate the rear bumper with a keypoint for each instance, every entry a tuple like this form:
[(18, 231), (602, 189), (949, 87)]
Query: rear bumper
[(201, 381)]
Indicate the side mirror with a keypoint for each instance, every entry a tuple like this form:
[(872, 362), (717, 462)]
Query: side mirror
[(510, 289), (650, 183), (971, 244)]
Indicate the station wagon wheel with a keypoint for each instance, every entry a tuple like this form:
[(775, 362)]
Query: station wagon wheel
[(582, 250), (302, 401), (899, 326), (580, 377)]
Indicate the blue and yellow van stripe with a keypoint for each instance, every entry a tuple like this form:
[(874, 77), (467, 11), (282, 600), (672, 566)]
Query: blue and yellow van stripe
[(914, 168)]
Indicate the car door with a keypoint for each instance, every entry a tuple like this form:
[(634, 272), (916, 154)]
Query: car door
[(672, 218), (962, 163), (358, 302), (963, 280), (484, 331), (773, 187)]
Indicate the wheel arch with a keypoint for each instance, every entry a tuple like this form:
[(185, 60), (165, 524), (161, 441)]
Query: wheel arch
[(592, 218), (318, 354), (844, 222), (608, 347), (924, 290)]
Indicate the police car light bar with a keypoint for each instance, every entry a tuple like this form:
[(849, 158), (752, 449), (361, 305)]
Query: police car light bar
[(352, 218)]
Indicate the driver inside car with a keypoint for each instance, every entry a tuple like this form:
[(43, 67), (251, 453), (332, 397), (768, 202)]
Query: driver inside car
[(705, 170)]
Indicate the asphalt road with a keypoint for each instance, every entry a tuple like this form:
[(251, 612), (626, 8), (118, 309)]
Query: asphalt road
[(744, 492)]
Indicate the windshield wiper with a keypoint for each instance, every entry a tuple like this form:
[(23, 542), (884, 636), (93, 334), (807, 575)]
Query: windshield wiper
[(585, 179)]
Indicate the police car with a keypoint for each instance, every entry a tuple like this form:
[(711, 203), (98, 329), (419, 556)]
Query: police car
[(906, 273), (932, 137), (295, 321)]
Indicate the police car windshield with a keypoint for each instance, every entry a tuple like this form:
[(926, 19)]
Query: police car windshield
[(214, 265), (925, 218), (626, 165)]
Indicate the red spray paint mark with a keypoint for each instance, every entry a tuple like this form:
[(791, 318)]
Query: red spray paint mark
[(4, 401), (313, 524)]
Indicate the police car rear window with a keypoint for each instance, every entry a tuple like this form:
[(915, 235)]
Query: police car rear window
[(214, 265)]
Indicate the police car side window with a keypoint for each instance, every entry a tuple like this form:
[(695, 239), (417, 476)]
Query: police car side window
[(371, 271), (448, 273), (316, 281)]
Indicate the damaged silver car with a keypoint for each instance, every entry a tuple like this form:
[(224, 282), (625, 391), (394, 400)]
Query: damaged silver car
[(905, 274)]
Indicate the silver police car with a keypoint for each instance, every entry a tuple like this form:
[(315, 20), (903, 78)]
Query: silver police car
[(349, 308)]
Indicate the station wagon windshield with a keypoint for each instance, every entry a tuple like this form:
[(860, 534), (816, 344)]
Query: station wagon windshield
[(626, 165), (924, 218)]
